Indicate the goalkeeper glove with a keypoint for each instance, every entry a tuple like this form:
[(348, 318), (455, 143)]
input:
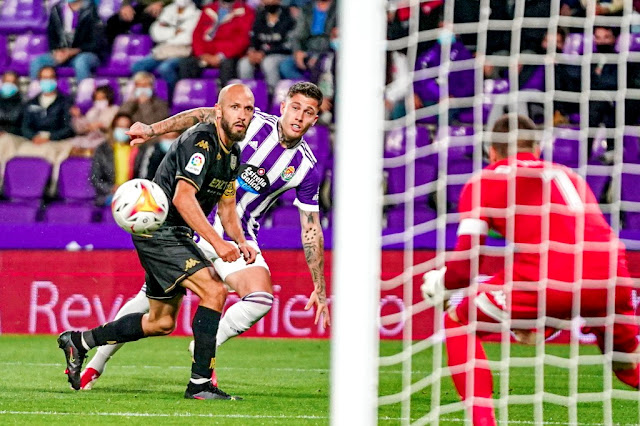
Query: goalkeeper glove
[(433, 290)]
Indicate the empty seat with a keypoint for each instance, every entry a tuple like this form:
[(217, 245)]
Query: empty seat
[(69, 213), (25, 178), (319, 140), (25, 49), (260, 92), (4, 53), (20, 16), (279, 95), (127, 49), (194, 93), (76, 192), (631, 148), (18, 212), (574, 44), (630, 187), (86, 88), (631, 43), (421, 214), (598, 185)]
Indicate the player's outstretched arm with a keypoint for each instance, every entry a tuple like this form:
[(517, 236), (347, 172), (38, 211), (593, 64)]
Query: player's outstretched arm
[(185, 201), (231, 222), (313, 245), (141, 132)]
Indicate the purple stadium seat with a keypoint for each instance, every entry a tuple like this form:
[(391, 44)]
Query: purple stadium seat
[(161, 90), (25, 178), (631, 148), (73, 182), (279, 94), (424, 172), (632, 220), (4, 53), (127, 49), (566, 148), (631, 43), (86, 88), (260, 91), (18, 212), (285, 217), (25, 49), (421, 214), (69, 213), (395, 143), (598, 184), (630, 187), (20, 16), (194, 93), (574, 44), (491, 89), (210, 73), (108, 8), (318, 138)]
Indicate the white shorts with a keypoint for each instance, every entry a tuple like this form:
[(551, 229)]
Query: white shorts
[(224, 269)]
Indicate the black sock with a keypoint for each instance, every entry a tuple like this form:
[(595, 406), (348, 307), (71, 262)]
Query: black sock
[(125, 329), (205, 327)]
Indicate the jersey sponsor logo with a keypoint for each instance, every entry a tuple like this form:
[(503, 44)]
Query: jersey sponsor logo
[(218, 184), (233, 162), (190, 263), (231, 190), (195, 164), (253, 179), (253, 144), (203, 144), (288, 173)]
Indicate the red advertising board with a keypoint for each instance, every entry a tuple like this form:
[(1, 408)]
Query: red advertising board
[(46, 292)]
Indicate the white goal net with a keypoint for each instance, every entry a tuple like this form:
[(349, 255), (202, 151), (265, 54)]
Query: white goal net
[(452, 68)]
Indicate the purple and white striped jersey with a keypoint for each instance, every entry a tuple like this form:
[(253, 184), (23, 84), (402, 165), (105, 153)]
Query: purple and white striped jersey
[(268, 170)]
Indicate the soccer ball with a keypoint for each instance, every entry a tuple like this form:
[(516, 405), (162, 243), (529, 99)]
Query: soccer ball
[(139, 206)]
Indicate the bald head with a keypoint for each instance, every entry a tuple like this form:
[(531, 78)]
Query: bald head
[(234, 111), (234, 92)]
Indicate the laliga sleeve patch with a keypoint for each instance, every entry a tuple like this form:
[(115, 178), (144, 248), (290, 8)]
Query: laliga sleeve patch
[(253, 179), (195, 164)]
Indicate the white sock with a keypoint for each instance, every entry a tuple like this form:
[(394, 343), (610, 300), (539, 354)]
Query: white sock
[(243, 314), (140, 303)]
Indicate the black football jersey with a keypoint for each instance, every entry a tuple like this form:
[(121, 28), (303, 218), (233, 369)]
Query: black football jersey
[(200, 159)]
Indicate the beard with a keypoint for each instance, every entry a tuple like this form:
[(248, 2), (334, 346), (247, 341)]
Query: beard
[(233, 136)]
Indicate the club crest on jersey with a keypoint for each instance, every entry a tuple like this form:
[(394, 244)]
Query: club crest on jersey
[(288, 173), (233, 162), (195, 164), (253, 179)]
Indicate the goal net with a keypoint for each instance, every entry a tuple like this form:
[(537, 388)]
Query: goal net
[(453, 68)]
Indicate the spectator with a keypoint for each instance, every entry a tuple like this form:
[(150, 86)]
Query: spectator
[(310, 38), (152, 158), (143, 12), (269, 42), (11, 104), (76, 38), (11, 110), (461, 83), (93, 126), (114, 161), (173, 33), (608, 7), (429, 18), (144, 105), (220, 39)]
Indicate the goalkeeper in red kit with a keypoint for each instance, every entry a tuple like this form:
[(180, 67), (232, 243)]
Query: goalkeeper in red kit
[(564, 252)]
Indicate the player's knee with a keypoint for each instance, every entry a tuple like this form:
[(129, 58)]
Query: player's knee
[(162, 326), (214, 293)]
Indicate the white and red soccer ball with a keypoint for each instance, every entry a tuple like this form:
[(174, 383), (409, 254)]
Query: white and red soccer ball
[(139, 206)]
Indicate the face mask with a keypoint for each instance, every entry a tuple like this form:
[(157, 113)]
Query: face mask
[(165, 144), (101, 104), (272, 8), (120, 135), (181, 3), (48, 85), (334, 44), (606, 48), (143, 92), (446, 37), (7, 90)]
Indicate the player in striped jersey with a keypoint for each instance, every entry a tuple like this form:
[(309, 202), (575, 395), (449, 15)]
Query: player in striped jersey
[(275, 158)]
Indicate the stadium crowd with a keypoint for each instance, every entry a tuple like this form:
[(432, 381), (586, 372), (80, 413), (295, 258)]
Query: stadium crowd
[(73, 82)]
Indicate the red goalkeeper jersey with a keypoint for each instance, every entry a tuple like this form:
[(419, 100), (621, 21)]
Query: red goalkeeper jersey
[(548, 213)]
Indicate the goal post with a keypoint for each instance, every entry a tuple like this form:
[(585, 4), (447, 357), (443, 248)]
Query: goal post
[(358, 213)]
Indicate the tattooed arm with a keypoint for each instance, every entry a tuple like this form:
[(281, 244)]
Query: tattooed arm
[(141, 133), (313, 245)]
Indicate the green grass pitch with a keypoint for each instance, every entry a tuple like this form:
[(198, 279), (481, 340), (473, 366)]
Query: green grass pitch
[(283, 382)]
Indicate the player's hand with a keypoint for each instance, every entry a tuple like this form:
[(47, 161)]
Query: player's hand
[(140, 133), (433, 290), (320, 300), (248, 252), (227, 251)]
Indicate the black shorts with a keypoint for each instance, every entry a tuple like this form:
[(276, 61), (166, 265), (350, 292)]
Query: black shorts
[(168, 257)]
